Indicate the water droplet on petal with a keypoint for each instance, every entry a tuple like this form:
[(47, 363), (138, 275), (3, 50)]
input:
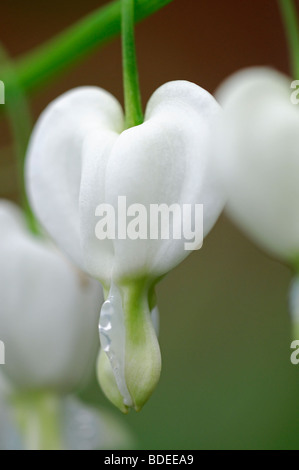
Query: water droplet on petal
[(113, 338)]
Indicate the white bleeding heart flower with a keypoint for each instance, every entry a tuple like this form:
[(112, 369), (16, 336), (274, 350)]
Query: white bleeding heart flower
[(81, 156), (258, 158), (48, 310)]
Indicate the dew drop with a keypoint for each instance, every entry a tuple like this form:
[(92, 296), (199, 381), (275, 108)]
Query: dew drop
[(113, 337)]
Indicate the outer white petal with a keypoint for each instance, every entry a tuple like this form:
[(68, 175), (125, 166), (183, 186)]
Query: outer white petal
[(98, 254), (48, 310), (258, 157), (55, 158), (165, 160)]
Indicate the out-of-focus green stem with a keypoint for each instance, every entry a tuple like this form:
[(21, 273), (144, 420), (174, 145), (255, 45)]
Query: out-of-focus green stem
[(290, 19), (48, 61), (133, 107), (296, 331), (38, 418), (19, 116)]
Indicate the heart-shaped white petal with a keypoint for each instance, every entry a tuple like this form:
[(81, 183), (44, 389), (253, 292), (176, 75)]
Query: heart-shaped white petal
[(258, 158), (78, 158), (48, 310)]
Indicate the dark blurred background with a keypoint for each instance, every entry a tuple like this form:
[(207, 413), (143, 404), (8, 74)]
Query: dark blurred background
[(227, 380)]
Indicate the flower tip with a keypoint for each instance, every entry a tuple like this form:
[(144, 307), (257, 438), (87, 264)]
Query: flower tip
[(142, 381), (108, 384), (129, 364), (140, 388)]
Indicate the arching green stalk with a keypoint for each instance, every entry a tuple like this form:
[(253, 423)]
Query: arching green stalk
[(50, 60), (290, 19), (133, 107), (21, 125), (39, 419)]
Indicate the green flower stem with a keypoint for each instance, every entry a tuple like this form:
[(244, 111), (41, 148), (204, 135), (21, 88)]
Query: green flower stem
[(133, 106), (50, 60), (143, 357), (38, 418), (296, 331), (290, 19), (129, 380), (19, 116)]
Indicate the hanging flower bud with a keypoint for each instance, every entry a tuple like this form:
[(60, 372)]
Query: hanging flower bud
[(81, 157), (258, 158), (48, 310)]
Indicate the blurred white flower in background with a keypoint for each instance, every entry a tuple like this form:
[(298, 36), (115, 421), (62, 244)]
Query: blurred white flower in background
[(258, 158), (257, 151), (87, 428), (48, 310), (48, 321)]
